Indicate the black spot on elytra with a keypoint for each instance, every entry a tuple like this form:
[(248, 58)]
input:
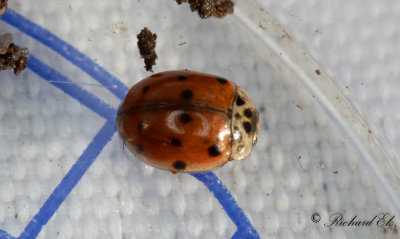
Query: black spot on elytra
[(247, 127), (239, 101), (141, 126), (221, 80), (186, 95), (184, 118), (237, 116), (176, 142), (248, 113), (179, 165), (145, 89), (181, 78), (214, 151), (139, 149)]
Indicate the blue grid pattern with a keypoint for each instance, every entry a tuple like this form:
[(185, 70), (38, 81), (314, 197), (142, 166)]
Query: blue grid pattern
[(244, 227)]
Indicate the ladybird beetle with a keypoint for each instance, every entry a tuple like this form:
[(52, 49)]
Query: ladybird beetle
[(186, 121)]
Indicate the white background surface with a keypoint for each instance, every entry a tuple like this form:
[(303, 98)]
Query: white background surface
[(43, 131)]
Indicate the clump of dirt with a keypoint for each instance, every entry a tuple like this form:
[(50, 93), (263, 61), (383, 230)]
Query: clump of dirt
[(11, 55), (3, 6), (210, 8), (147, 44)]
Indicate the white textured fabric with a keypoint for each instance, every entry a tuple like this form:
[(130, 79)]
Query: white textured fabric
[(302, 164)]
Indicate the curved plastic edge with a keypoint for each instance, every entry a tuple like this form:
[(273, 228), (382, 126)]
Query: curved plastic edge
[(384, 170)]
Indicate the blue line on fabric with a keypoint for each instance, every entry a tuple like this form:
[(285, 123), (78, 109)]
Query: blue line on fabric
[(5, 235), (225, 198), (69, 181)]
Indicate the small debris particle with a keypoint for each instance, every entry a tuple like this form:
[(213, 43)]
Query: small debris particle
[(3, 6), (285, 35), (11, 55), (335, 172), (210, 8), (299, 106), (318, 31), (182, 43), (119, 27), (369, 131), (260, 25), (298, 18), (147, 44), (318, 72), (298, 161)]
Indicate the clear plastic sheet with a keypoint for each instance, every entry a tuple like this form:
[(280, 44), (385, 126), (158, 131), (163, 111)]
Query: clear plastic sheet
[(315, 153)]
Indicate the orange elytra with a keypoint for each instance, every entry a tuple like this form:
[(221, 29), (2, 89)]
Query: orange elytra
[(186, 121)]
